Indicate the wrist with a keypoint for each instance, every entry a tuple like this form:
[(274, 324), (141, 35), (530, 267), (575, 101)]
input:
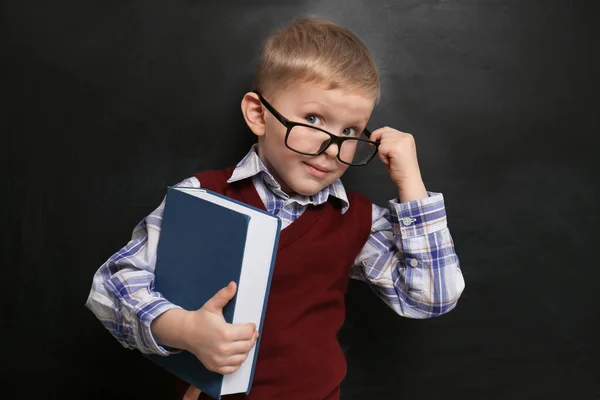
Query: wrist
[(411, 190), (170, 328)]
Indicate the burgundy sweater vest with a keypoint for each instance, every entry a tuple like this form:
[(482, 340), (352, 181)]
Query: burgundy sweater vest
[(299, 356)]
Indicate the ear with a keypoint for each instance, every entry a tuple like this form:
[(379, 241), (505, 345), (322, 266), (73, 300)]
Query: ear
[(253, 112)]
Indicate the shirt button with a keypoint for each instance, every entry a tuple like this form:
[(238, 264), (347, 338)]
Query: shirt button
[(414, 263), (407, 221)]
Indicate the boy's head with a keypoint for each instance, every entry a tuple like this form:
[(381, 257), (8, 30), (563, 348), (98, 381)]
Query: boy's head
[(316, 73), (316, 51)]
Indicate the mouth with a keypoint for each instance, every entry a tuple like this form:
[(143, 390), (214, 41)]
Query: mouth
[(317, 170)]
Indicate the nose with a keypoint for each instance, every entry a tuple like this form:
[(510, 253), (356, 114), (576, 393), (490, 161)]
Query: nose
[(332, 150)]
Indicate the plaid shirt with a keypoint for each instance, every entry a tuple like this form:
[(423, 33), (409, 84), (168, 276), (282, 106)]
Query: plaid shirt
[(409, 259)]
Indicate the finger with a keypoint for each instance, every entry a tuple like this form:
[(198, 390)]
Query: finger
[(378, 133), (384, 159), (236, 360), (221, 298), (192, 393), (387, 148), (241, 331), (242, 346), (228, 370)]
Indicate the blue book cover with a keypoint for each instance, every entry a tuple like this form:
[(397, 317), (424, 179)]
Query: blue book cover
[(200, 250)]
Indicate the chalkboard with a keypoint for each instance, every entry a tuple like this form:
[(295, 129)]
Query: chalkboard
[(105, 103)]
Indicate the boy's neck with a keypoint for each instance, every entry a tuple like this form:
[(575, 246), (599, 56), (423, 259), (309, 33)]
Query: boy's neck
[(282, 184)]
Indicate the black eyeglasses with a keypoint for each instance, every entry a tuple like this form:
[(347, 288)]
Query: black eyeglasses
[(311, 141)]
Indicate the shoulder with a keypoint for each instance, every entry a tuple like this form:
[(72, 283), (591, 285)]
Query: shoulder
[(214, 178), (214, 173), (358, 200), (192, 181), (359, 215), (361, 207)]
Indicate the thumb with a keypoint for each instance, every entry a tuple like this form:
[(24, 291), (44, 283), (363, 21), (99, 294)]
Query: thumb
[(192, 393), (221, 298), (384, 159)]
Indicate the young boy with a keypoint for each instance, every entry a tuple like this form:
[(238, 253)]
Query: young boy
[(316, 87)]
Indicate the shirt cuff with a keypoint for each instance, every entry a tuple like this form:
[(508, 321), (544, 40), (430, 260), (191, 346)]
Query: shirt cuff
[(141, 318), (418, 217), (145, 331)]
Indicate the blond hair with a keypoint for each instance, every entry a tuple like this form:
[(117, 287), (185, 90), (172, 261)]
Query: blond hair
[(314, 49)]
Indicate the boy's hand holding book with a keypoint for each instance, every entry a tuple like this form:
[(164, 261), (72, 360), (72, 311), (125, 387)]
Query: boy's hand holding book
[(220, 346)]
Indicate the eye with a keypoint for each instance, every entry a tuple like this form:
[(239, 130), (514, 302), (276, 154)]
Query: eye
[(313, 119), (349, 132)]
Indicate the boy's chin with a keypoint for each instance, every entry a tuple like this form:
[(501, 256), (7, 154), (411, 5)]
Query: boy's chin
[(307, 188)]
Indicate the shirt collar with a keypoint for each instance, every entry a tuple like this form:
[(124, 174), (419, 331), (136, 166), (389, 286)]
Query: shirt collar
[(251, 165)]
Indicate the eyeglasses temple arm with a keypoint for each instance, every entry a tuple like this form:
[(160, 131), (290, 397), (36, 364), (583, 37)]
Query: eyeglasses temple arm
[(273, 111)]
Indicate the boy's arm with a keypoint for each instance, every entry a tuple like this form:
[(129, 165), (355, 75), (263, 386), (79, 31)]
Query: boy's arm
[(122, 295), (409, 258)]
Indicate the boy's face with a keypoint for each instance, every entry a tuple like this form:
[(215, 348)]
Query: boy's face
[(337, 111)]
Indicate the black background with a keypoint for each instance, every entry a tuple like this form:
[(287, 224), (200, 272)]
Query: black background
[(108, 102)]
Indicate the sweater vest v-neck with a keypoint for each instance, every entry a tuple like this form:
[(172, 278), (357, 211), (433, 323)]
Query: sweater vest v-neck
[(299, 355)]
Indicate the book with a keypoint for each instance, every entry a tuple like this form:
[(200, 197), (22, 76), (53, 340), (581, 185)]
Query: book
[(208, 240)]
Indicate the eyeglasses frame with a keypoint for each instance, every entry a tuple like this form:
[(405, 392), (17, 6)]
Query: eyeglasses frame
[(334, 139)]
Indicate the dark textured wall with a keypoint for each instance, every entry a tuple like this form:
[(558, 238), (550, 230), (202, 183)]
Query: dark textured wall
[(108, 102)]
